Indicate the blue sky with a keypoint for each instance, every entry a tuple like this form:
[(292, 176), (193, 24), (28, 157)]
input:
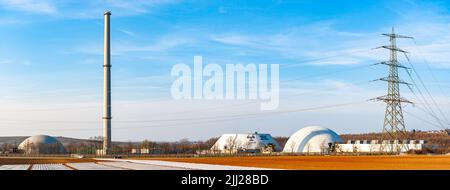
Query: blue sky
[(51, 57)]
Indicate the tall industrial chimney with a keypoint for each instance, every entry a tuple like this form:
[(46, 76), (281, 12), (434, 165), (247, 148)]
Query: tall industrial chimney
[(107, 89)]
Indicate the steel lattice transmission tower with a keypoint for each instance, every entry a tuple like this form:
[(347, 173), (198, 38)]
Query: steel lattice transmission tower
[(394, 124)]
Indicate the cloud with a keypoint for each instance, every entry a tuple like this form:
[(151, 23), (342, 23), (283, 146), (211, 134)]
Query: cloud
[(92, 62), (163, 43), (6, 61), (237, 40), (307, 43), (322, 44), (11, 21), (13, 61), (119, 8), (87, 9), (339, 85), (31, 6), (88, 48), (127, 32)]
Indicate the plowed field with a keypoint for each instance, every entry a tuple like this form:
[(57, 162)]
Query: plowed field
[(329, 162)]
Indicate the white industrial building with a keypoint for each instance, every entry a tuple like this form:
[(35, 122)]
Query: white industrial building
[(140, 151), (312, 139), (315, 139), (249, 142), (373, 146), (41, 144)]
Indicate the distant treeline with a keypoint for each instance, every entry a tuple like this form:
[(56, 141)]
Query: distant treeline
[(439, 141)]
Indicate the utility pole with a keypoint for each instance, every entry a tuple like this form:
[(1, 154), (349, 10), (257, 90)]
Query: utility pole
[(394, 124)]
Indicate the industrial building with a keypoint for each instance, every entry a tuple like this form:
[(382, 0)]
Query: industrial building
[(250, 143), (315, 139), (373, 146), (312, 139), (41, 144), (140, 151)]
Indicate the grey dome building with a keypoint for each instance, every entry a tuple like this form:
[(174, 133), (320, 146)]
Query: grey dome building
[(42, 144)]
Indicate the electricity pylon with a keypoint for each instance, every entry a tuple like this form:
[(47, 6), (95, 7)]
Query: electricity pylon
[(394, 124)]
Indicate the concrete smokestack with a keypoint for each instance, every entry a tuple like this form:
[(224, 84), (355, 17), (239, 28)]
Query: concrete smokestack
[(107, 88)]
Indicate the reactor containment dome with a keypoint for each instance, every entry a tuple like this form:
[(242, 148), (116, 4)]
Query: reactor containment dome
[(312, 139), (41, 144)]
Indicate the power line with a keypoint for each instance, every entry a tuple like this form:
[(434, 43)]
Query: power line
[(234, 117), (439, 121), (328, 73), (424, 120), (426, 89), (428, 110), (328, 57), (167, 120), (431, 72)]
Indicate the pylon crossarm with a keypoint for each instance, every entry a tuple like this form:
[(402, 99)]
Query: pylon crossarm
[(388, 63), (389, 79), (397, 36), (393, 48), (407, 101), (389, 99)]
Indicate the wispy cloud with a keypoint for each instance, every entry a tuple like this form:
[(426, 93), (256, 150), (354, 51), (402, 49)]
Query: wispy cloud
[(11, 21), (127, 32), (339, 85), (31, 6), (92, 61), (307, 42), (164, 43), (13, 61), (238, 40), (118, 48), (340, 47), (6, 61), (84, 9)]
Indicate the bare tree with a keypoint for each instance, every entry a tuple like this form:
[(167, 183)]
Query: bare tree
[(145, 144), (238, 145), (6, 147), (323, 147), (230, 144), (292, 146), (128, 147), (308, 148)]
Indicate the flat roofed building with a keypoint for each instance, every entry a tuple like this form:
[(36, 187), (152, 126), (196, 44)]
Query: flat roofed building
[(375, 147)]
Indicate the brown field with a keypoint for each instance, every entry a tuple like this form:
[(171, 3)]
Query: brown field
[(410, 162), (404, 162), (31, 160)]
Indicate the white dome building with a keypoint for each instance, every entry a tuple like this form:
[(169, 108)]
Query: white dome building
[(42, 144), (311, 139)]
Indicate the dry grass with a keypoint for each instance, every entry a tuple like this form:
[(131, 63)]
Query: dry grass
[(31, 160), (414, 162)]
